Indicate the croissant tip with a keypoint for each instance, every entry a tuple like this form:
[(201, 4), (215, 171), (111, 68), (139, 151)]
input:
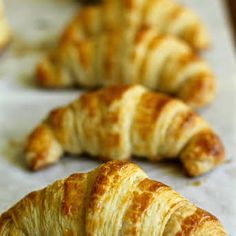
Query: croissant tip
[(4, 45), (41, 75), (35, 161)]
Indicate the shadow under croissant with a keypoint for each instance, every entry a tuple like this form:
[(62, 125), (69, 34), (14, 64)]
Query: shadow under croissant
[(13, 153), (170, 167)]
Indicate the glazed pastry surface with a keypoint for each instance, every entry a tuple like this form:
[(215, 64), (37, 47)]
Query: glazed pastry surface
[(160, 63), (166, 16), (115, 199), (118, 122)]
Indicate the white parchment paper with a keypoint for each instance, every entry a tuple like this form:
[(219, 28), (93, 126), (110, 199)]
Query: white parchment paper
[(36, 25)]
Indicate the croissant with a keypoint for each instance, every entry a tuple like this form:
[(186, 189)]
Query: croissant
[(166, 16), (162, 63), (116, 122), (115, 199), (4, 28)]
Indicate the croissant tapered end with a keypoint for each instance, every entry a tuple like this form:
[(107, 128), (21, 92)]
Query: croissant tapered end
[(116, 198), (208, 149), (45, 76), (42, 149), (49, 75)]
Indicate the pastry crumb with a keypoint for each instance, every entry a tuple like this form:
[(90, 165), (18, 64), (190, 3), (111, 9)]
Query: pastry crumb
[(196, 183)]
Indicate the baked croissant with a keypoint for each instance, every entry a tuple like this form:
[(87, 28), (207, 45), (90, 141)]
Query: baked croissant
[(115, 199), (4, 28), (162, 63), (117, 122), (166, 16)]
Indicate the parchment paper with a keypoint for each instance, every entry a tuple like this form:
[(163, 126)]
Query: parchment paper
[(36, 25)]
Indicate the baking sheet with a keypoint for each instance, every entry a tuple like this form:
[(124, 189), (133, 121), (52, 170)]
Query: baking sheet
[(36, 25)]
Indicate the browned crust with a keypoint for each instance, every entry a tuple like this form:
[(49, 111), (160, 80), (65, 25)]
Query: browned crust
[(41, 75), (5, 220), (85, 53), (39, 142), (72, 192), (186, 59), (91, 100), (209, 143), (46, 76), (90, 103), (108, 175), (176, 13), (151, 185), (141, 33), (195, 221), (113, 93), (112, 141), (130, 4), (141, 201), (139, 206), (56, 117), (80, 25), (148, 111), (199, 90), (206, 147), (156, 42), (212, 145), (186, 121), (191, 35)]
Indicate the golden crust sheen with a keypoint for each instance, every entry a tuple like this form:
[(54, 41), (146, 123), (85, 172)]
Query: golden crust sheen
[(118, 122), (115, 199), (166, 16), (161, 63)]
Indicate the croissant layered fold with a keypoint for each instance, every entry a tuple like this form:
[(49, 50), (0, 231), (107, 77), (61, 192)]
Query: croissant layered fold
[(115, 199), (4, 28), (166, 16), (161, 63), (117, 122)]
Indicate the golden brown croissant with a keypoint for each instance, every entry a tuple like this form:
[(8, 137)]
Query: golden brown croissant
[(117, 122), (166, 16), (115, 199), (4, 28), (162, 63)]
